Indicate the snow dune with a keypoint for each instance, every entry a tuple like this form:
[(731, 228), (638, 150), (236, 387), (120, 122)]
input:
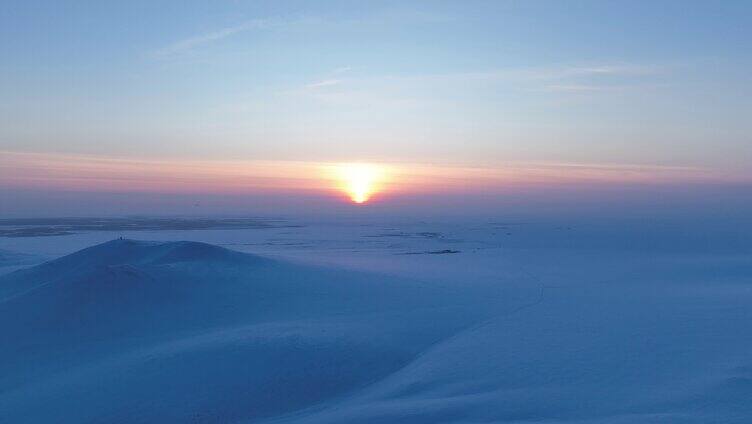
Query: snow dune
[(172, 332), (142, 332)]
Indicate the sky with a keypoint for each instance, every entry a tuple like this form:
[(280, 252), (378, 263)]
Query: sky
[(229, 100)]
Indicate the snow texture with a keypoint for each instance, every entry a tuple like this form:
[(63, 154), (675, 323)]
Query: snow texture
[(573, 331)]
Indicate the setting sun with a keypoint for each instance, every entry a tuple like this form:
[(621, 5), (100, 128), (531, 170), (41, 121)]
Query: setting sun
[(359, 180)]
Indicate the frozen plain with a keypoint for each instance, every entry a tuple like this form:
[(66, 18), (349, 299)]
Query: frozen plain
[(381, 322)]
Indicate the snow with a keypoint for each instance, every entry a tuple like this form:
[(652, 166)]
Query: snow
[(11, 261), (361, 322)]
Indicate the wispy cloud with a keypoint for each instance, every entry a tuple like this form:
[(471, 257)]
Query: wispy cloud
[(610, 69), (582, 88), (434, 90), (388, 17), (342, 70), (190, 43), (551, 73), (599, 78), (560, 78), (544, 75), (324, 83), (88, 173)]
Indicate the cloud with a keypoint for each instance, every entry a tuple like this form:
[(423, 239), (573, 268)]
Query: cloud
[(610, 69), (556, 78), (324, 83), (580, 87), (389, 17), (188, 44), (550, 74), (574, 72), (342, 70)]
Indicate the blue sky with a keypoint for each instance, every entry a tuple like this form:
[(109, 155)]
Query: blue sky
[(471, 83)]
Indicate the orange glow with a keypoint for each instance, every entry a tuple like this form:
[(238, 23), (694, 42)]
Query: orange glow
[(360, 181)]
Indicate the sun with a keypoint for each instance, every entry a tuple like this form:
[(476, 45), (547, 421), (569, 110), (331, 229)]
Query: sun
[(360, 181)]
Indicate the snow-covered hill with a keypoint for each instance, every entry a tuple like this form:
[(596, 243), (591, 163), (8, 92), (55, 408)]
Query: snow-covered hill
[(11, 261), (171, 332), (175, 332)]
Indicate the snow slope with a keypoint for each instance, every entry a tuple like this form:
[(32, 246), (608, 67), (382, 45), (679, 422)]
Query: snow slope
[(130, 331), (11, 261)]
